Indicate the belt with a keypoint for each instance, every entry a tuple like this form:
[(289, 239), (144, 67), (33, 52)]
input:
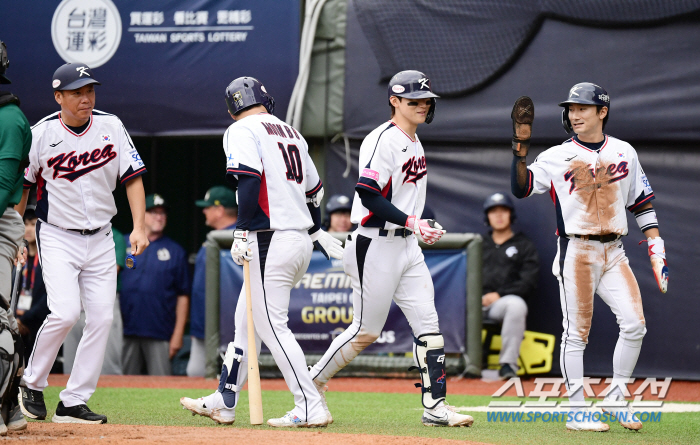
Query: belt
[(602, 238), (86, 232), (403, 233)]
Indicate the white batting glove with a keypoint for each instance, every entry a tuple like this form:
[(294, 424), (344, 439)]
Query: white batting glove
[(327, 245), (657, 254), (427, 229), (239, 249)]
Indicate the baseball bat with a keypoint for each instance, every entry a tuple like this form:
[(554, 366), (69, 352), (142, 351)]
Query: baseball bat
[(15, 287), (254, 389)]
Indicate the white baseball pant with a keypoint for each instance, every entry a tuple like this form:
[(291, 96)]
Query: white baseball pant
[(280, 259), (382, 268), (75, 268), (583, 269)]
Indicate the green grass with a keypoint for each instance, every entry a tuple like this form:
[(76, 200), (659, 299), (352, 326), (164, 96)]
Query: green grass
[(374, 413)]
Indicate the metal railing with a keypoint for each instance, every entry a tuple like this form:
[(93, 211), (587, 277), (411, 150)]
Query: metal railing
[(470, 242)]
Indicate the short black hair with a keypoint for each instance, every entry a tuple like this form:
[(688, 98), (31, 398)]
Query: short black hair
[(605, 119)]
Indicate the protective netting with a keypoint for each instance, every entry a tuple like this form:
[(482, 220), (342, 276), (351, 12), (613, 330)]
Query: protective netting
[(462, 44)]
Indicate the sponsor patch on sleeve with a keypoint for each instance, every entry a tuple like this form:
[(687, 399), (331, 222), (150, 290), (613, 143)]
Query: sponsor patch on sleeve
[(371, 174)]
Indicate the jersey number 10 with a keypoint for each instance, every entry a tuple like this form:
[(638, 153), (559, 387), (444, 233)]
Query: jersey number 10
[(293, 162)]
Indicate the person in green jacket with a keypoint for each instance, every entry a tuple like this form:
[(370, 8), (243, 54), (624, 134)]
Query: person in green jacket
[(15, 142)]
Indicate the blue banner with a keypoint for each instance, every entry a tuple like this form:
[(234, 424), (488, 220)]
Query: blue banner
[(163, 65), (321, 304)]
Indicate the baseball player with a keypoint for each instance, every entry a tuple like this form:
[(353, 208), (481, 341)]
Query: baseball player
[(382, 255), (15, 142), (78, 156), (592, 178), (338, 210), (509, 278), (279, 194)]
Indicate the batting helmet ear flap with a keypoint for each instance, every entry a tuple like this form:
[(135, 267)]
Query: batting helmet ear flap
[(565, 122), (431, 111)]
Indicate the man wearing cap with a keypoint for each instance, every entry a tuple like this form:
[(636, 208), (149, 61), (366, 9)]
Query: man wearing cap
[(338, 210), (77, 158), (510, 273), (154, 298), (221, 212)]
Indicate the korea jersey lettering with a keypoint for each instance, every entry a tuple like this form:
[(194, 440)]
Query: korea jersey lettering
[(392, 165), (263, 146), (590, 188), (76, 173)]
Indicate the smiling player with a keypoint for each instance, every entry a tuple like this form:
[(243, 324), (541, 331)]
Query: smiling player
[(592, 179), (383, 257)]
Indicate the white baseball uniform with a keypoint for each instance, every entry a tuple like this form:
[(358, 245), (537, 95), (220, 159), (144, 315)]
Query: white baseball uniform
[(383, 259), (75, 176), (591, 185), (263, 146)]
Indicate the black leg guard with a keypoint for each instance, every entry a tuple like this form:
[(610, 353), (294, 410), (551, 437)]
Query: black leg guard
[(429, 354)]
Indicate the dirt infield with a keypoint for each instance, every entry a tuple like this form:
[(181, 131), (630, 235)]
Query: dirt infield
[(127, 434), (46, 432), (679, 391)]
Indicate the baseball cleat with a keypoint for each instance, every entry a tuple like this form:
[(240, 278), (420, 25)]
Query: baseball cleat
[(211, 406), (16, 421), (587, 426), (31, 402), (445, 415), (289, 420), (322, 391), (507, 372), (625, 416), (76, 414)]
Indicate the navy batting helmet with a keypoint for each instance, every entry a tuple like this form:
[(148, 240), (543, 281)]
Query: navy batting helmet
[(4, 63), (498, 199), (337, 203), (584, 93), (413, 84), (245, 92)]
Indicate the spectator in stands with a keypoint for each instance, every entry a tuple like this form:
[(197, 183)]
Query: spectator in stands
[(154, 298), (510, 273), (32, 308), (221, 212), (338, 214), (112, 364)]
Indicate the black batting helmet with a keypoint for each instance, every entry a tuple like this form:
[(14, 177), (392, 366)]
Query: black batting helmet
[(245, 92), (584, 93), (413, 84), (498, 199), (4, 63), (337, 203)]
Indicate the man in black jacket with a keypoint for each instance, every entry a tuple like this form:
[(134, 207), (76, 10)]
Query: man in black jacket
[(510, 272)]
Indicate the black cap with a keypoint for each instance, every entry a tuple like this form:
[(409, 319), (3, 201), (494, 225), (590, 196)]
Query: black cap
[(72, 76), (498, 199), (4, 63), (337, 203)]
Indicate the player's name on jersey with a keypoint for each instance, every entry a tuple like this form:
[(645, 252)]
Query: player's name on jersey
[(332, 280)]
